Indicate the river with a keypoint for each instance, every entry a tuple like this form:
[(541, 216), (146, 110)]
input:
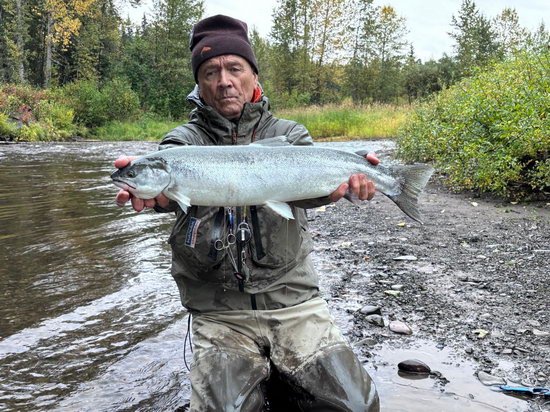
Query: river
[(90, 318)]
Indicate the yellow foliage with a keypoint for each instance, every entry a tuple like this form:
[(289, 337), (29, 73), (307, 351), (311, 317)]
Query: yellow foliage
[(66, 17)]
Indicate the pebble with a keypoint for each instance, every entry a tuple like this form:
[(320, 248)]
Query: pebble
[(370, 310), (395, 293), (537, 332), (406, 258), (397, 326), (367, 342), (397, 287), (489, 380), (375, 320), (481, 333), (413, 366)]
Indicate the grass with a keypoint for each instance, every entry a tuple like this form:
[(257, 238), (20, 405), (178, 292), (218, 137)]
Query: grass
[(348, 122), (342, 122), (146, 128)]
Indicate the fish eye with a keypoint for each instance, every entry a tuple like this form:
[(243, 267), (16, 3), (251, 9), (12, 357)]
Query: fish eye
[(131, 173)]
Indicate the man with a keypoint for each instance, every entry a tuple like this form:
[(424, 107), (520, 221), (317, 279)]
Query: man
[(254, 301)]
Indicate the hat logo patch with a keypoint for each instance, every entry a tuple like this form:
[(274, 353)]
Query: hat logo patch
[(205, 49)]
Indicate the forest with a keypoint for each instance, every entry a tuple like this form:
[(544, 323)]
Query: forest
[(318, 52)]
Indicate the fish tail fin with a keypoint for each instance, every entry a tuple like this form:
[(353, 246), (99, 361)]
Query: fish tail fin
[(412, 180)]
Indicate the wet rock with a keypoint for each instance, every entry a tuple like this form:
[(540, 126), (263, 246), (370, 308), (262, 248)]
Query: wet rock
[(481, 333), (370, 310), (413, 366), (397, 287), (370, 342), (490, 380), (402, 328), (406, 258), (395, 293), (537, 332), (375, 320), (533, 323)]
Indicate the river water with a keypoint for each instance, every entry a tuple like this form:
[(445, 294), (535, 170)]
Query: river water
[(90, 318)]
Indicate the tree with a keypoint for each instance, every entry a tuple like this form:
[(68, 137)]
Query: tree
[(165, 56), (474, 36), (63, 22), (510, 36), (379, 52)]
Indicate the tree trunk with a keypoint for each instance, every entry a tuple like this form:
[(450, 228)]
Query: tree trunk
[(19, 41), (48, 51)]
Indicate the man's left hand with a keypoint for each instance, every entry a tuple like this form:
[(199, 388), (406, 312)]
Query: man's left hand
[(358, 184)]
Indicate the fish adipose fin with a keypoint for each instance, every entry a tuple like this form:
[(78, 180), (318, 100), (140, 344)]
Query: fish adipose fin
[(183, 201), (281, 208), (412, 180)]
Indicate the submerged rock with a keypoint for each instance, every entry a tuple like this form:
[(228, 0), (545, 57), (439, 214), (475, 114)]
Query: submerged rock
[(490, 380), (414, 366)]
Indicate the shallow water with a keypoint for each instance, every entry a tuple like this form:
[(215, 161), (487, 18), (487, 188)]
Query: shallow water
[(90, 318)]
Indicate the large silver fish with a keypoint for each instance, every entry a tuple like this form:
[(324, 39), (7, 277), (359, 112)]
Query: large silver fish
[(269, 172)]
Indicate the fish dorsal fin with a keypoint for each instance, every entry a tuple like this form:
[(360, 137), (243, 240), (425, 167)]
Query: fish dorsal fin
[(183, 200), (272, 142), (281, 208)]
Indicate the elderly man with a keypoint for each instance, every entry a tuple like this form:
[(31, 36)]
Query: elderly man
[(260, 314)]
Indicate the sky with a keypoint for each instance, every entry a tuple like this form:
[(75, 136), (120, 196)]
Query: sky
[(428, 21)]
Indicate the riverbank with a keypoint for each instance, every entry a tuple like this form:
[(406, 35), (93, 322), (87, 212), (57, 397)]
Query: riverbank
[(473, 280)]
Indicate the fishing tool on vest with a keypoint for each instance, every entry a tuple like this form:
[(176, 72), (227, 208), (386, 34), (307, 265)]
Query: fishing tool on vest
[(242, 272), (227, 238), (234, 235)]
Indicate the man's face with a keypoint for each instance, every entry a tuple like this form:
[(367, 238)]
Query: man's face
[(226, 83)]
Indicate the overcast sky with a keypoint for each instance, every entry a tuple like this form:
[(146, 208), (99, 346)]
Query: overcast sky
[(428, 21)]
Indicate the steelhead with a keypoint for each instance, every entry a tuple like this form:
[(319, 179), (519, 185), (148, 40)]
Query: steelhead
[(269, 172)]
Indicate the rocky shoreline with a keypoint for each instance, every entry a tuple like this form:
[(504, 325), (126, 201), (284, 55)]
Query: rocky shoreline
[(475, 278)]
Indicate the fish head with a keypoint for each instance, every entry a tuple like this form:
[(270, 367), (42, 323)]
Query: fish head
[(145, 177)]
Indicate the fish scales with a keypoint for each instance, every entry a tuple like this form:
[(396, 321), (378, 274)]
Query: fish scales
[(247, 175), (263, 173)]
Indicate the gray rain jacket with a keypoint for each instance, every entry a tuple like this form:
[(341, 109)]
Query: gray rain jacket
[(281, 273)]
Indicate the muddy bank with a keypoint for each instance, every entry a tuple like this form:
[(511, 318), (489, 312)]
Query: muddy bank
[(474, 280)]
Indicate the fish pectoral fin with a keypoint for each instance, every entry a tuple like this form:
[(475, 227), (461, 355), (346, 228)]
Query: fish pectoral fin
[(183, 201), (281, 208), (272, 141)]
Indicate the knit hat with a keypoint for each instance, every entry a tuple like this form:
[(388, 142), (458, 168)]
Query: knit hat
[(218, 35)]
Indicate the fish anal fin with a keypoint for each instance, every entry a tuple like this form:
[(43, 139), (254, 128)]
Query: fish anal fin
[(281, 208)]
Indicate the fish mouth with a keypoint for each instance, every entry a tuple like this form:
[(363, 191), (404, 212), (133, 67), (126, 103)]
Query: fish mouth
[(123, 185)]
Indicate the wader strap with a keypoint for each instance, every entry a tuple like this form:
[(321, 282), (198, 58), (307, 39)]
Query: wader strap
[(216, 234), (257, 235)]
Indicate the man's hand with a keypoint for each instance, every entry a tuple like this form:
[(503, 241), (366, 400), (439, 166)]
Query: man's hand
[(358, 184), (138, 204)]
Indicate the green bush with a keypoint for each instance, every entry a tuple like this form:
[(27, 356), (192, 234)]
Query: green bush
[(33, 133), (489, 132), (89, 104), (58, 117), (94, 106), (8, 129), (121, 101)]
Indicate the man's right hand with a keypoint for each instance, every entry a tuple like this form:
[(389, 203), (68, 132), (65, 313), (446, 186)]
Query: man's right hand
[(138, 204)]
